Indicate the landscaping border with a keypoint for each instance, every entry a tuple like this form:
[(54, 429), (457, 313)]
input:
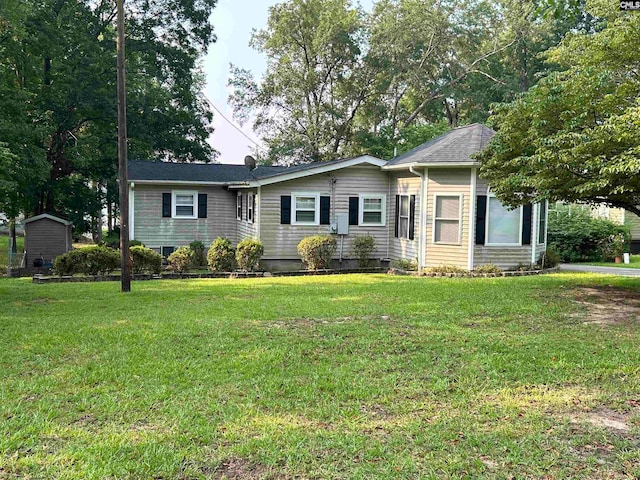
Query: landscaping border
[(42, 279)]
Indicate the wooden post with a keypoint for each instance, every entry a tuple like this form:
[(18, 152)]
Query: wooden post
[(125, 262)]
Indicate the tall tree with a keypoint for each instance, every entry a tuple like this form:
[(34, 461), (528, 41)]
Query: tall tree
[(57, 61), (575, 136)]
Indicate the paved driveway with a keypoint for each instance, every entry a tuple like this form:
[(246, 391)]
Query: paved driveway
[(625, 272)]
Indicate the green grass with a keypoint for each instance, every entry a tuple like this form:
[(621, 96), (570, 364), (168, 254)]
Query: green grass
[(4, 250), (634, 262), (349, 376)]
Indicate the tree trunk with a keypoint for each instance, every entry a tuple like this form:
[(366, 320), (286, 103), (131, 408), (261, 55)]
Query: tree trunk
[(12, 235)]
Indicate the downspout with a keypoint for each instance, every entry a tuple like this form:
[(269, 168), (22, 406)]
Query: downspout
[(256, 214), (423, 211), (131, 211), (534, 231)]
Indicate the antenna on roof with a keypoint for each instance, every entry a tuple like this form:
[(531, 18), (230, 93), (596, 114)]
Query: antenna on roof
[(250, 162)]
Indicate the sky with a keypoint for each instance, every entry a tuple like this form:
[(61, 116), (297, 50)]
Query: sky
[(233, 21)]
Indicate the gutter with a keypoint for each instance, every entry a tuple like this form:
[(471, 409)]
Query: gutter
[(404, 166), (423, 212)]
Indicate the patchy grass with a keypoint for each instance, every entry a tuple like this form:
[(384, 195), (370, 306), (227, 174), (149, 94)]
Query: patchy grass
[(348, 376), (634, 262)]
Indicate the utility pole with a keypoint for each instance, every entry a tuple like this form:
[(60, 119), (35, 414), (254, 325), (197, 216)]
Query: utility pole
[(125, 262)]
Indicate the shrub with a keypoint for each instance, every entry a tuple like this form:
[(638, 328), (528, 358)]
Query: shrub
[(446, 269), (93, 260), (145, 260), (248, 254), (181, 260), (317, 251), (404, 264), (221, 256), (487, 268), (577, 237), (549, 259), (363, 246), (135, 243), (197, 247)]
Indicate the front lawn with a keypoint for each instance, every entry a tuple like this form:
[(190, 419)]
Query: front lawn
[(348, 376)]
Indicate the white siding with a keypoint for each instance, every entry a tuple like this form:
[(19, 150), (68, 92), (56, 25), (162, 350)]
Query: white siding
[(281, 241), (404, 183)]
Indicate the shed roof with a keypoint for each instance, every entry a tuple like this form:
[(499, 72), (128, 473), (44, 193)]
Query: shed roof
[(452, 148), (49, 217)]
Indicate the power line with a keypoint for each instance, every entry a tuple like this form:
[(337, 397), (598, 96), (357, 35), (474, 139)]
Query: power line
[(230, 122)]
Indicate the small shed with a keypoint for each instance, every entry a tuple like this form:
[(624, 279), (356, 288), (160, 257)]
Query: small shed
[(45, 237)]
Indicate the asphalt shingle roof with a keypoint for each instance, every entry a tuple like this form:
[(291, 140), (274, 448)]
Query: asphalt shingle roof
[(453, 147), (188, 172)]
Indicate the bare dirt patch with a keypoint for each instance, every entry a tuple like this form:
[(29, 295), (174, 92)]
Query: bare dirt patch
[(606, 418), (607, 306)]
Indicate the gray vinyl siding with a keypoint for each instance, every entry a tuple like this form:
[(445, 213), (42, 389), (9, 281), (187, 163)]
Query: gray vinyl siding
[(503, 256), (245, 228), (452, 181), (633, 222), (46, 238), (155, 231), (403, 248), (281, 241)]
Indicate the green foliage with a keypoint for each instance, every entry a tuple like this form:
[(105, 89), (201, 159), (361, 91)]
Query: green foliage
[(363, 247), (248, 254), (487, 268), (446, 269), (92, 260), (145, 260), (578, 237), (550, 259), (405, 264), (181, 260), (221, 256), (317, 251), (197, 247), (575, 136)]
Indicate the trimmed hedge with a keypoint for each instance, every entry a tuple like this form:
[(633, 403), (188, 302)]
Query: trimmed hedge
[(221, 256), (248, 254), (363, 247), (93, 260), (317, 251), (145, 260), (181, 260)]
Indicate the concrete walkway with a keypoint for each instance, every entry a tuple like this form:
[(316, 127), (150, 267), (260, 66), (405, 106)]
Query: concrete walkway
[(625, 272)]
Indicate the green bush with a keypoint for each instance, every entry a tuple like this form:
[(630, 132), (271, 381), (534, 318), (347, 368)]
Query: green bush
[(363, 247), (446, 269), (549, 259), (93, 260), (145, 260), (487, 268), (577, 237), (248, 254), (221, 256), (404, 264), (317, 251), (197, 247), (181, 260)]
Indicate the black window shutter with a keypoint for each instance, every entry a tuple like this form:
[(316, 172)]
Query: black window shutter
[(354, 203), (412, 216), (246, 213), (166, 205), (397, 226), (253, 209), (285, 209), (481, 216), (325, 208), (241, 207), (202, 205), (526, 224)]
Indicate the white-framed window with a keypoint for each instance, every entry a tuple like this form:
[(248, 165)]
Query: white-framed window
[(184, 204), (542, 222), (305, 208), (373, 209), (447, 219), (403, 216), (250, 199), (504, 227), (239, 206)]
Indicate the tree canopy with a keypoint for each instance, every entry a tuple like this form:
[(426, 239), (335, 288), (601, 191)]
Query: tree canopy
[(575, 136), (58, 85), (341, 81)]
